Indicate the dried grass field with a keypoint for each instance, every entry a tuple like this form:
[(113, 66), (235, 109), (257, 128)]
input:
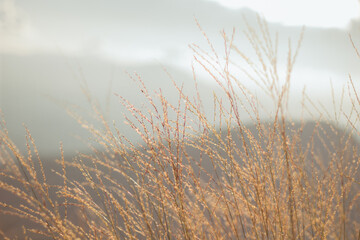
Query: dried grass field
[(193, 176)]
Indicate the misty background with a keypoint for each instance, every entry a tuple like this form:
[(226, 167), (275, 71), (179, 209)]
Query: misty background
[(49, 49)]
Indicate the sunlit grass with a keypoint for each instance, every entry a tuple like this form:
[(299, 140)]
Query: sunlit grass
[(195, 176)]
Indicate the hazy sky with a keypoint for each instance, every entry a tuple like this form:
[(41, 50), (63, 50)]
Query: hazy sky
[(314, 13), (160, 31), (133, 29)]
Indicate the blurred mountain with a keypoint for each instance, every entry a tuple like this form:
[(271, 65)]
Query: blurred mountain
[(37, 89)]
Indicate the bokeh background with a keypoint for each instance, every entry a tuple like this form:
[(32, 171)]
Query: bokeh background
[(49, 49)]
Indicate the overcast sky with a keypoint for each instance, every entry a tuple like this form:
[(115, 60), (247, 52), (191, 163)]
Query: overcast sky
[(143, 29), (160, 31)]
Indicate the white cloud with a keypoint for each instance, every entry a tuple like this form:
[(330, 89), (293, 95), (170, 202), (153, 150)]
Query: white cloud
[(319, 13)]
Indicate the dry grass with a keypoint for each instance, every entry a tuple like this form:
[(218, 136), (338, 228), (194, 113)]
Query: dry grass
[(195, 177)]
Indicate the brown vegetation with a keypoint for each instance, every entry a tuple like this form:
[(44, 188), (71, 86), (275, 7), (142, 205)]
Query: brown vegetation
[(193, 177)]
